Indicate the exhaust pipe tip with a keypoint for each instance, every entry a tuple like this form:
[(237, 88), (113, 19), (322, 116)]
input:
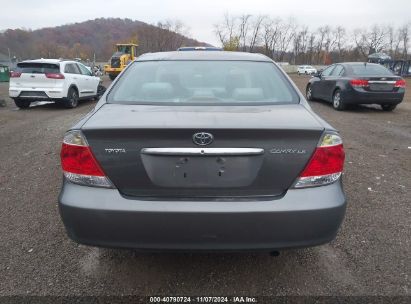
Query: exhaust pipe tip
[(274, 253)]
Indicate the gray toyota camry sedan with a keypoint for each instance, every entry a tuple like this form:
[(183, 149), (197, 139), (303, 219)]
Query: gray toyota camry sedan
[(202, 150)]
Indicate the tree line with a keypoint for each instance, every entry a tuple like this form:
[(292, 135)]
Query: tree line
[(286, 40), (94, 38)]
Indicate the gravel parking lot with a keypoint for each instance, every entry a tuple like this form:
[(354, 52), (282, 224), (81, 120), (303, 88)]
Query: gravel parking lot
[(371, 255)]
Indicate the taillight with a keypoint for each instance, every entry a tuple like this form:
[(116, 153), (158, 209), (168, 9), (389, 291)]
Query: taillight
[(359, 83), (15, 74), (400, 83), (79, 164), (326, 163), (55, 75)]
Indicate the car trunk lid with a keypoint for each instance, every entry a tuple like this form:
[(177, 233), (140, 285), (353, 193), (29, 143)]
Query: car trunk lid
[(148, 151)]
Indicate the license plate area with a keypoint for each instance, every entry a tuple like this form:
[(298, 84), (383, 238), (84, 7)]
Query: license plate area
[(35, 94), (385, 87), (212, 171)]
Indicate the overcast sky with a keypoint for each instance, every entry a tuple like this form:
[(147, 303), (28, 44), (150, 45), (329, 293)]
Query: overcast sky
[(200, 16)]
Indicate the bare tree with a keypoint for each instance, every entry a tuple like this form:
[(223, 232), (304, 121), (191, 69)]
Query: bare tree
[(404, 38), (255, 35), (270, 34), (376, 39), (330, 39), (226, 30), (360, 38), (267, 35), (304, 34), (371, 41), (322, 32), (340, 36), (286, 35), (299, 44), (243, 31), (286, 40), (311, 48)]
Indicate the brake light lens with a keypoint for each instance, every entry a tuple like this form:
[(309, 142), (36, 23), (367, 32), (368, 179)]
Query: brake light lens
[(79, 164), (326, 163), (359, 83), (79, 160), (15, 74), (400, 83), (55, 75)]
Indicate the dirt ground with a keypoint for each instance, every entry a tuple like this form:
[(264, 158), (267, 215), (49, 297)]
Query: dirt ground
[(370, 256)]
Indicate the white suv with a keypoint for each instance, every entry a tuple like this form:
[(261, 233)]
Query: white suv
[(306, 69), (52, 80)]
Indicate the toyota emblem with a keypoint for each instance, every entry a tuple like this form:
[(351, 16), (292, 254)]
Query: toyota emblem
[(203, 138)]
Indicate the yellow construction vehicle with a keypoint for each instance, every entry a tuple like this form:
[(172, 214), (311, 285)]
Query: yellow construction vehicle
[(124, 54)]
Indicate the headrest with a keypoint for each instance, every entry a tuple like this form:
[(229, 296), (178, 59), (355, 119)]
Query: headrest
[(170, 77), (157, 90), (203, 93), (235, 80), (248, 94)]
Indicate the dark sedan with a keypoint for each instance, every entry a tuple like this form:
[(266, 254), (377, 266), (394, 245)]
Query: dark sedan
[(355, 83), (201, 150)]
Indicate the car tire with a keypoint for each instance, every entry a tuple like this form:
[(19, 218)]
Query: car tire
[(112, 77), (338, 103), (100, 90), (72, 99), (309, 93), (22, 104), (388, 107)]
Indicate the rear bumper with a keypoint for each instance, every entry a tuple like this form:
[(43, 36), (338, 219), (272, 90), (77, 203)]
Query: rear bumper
[(113, 70), (37, 94), (301, 218), (363, 97)]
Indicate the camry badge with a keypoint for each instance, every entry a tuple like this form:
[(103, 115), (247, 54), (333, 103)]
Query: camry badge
[(203, 138), (287, 151)]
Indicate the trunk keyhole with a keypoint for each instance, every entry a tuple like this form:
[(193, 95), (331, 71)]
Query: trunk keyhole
[(185, 175)]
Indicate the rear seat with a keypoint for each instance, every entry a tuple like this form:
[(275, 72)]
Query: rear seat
[(248, 94), (157, 90)]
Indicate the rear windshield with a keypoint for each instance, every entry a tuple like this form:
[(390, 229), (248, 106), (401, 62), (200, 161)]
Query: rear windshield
[(370, 70), (37, 68), (202, 82)]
